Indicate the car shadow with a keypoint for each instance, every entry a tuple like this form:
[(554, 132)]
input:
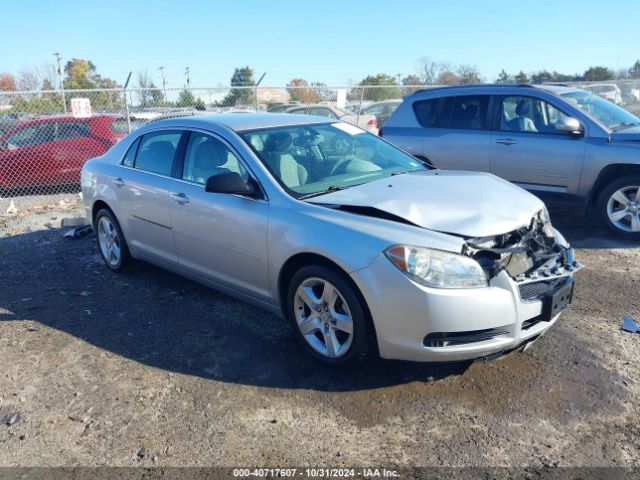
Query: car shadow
[(159, 319)]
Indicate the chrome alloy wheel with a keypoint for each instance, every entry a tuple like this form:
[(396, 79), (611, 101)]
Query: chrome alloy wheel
[(323, 317), (109, 241), (623, 209)]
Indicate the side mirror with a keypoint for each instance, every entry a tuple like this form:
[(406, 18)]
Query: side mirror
[(230, 183), (569, 125)]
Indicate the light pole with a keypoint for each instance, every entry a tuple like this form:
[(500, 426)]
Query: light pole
[(164, 83), (64, 101), (187, 72)]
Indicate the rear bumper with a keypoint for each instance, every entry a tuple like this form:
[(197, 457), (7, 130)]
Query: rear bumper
[(423, 324)]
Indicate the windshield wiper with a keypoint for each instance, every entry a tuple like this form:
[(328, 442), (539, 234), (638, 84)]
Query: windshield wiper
[(332, 188)]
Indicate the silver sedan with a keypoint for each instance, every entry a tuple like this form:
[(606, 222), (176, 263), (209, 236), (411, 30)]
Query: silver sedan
[(359, 245)]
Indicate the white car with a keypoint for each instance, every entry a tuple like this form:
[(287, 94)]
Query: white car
[(367, 122), (609, 91)]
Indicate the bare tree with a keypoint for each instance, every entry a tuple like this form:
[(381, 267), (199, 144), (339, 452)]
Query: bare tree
[(28, 80), (48, 74), (427, 70), (468, 73), (145, 84), (430, 71)]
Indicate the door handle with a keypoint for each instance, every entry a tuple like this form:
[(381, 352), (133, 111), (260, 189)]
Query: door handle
[(118, 182), (506, 141), (181, 198)]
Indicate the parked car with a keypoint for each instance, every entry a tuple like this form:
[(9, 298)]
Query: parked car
[(566, 145), (608, 91), (368, 122), (51, 150), (381, 110), (359, 245)]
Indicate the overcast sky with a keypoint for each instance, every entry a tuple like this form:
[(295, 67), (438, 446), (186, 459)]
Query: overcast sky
[(336, 42)]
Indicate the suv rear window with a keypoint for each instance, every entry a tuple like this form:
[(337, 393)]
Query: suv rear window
[(425, 111)]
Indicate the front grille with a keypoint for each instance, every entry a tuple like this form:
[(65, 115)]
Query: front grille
[(447, 339), (533, 290)]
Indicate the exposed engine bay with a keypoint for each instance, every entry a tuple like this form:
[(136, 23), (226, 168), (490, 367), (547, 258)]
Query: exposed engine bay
[(529, 253)]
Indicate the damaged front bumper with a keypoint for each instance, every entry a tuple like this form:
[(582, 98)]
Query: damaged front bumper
[(419, 323)]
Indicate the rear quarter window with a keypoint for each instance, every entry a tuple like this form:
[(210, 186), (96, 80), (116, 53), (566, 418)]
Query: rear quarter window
[(425, 111)]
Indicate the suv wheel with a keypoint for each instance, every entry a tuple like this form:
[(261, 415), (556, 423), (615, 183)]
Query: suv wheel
[(618, 206), (327, 315)]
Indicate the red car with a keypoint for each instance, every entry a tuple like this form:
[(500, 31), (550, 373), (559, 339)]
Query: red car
[(51, 150)]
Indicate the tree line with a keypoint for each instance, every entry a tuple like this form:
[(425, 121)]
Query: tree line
[(80, 74)]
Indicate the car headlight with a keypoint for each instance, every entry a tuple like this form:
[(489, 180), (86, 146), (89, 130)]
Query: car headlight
[(435, 268)]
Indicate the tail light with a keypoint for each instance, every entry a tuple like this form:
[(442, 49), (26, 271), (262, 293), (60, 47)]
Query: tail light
[(373, 123)]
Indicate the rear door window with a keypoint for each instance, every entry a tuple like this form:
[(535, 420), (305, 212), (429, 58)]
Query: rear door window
[(68, 130), (435, 112), (470, 112), (157, 151)]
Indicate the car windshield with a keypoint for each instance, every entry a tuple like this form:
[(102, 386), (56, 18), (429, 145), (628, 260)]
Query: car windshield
[(310, 160), (611, 115)]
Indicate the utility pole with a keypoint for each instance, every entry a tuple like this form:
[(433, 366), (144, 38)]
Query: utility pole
[(256, 89), (164, 83), (64, 101), (187, 73)]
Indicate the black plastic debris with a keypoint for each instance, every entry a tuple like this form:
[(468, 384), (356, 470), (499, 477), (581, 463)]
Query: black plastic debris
[(79, 232), (630, 325)]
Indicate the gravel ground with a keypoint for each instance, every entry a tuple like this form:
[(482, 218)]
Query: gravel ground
[(98, 366)]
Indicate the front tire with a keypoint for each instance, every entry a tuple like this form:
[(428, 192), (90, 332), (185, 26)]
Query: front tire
[(111, 243), (618, 207), (327, 315)]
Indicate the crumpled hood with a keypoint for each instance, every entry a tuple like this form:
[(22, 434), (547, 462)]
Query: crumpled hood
[(628, 134), (471, 204)]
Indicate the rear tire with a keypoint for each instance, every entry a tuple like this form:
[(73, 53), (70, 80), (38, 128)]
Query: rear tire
[(111, 242), (327, 315), (617, 207)]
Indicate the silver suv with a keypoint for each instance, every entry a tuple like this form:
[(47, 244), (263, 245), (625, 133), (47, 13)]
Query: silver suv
[(563, 144)]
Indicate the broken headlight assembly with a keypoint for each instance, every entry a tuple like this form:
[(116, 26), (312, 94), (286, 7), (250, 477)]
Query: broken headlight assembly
[(435, 268), (529, 252)]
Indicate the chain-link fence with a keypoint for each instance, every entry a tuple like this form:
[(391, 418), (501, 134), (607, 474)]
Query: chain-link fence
[(46, 136)]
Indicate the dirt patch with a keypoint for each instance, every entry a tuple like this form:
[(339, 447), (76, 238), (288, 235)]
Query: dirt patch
[(99, 366)]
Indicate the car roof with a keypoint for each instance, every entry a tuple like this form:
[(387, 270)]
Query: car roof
[(243, 121), (557, 89), (306, 105), (63, 118)]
